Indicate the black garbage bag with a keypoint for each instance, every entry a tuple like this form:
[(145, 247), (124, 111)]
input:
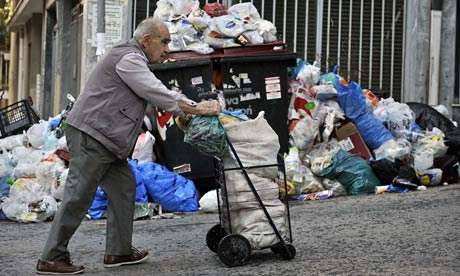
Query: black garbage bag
[(397, 173), (428, 118), (448, 164), (385, 170)]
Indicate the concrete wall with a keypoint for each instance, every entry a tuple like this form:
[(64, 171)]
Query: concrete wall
[(34, 62), (447, 68), (117, 17), (417, 51)]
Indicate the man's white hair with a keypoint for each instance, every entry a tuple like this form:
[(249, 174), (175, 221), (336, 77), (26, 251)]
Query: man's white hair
[(150, 25)]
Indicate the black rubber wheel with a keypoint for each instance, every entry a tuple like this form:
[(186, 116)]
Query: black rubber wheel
[(287, 251), (215, 234), (234, 250)]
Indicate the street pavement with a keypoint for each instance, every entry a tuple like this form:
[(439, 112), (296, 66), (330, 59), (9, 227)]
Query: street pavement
[(416, 233)]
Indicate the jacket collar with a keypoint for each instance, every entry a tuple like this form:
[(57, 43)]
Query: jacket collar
[(136, 44)]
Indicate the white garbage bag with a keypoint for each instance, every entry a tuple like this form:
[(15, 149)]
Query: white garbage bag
[(37, 134)]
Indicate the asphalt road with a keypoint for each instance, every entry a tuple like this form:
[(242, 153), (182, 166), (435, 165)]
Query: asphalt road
[(416, 233)]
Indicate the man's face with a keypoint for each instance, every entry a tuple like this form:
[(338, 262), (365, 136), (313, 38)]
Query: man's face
[(156, 45)]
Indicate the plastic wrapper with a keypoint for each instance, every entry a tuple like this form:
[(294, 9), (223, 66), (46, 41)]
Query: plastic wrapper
[(27, 160), (206, 134), (244, 11), (334, 186), (199, 19), (321, 156), (324, 92), (143, 151), (309, 75), (253, 37), (397, 117), (163, 10), (200, 48), (304, 133), (27, 202), (430, 177), (228, 26), (428, 118), (57, 191), (432, 141), (352, 172), (217, 41), (37, 134), (47, 173), (267, 30), (11, 142), (215, 9), (393, 149)]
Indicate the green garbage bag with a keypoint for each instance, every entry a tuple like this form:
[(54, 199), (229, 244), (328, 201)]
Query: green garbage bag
[(206, 134), (352, 172)]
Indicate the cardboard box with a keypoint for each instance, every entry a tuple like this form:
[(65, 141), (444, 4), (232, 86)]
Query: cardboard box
[(351, 141)]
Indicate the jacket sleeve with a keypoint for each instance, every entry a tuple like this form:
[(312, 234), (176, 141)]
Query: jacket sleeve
[(133, 70)]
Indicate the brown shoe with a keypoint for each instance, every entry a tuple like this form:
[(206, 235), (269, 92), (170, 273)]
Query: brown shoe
[(58, 267), (138, 256)]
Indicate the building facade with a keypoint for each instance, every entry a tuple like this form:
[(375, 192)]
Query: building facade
[(383, 44)]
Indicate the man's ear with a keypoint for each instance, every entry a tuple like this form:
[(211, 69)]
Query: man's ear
[(145, 40)]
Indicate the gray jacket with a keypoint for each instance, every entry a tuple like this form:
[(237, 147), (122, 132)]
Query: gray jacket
[(112, 105)]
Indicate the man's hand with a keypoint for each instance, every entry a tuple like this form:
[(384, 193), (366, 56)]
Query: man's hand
[(208, 108)]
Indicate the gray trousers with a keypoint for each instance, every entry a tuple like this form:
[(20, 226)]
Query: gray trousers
[(93, 164)]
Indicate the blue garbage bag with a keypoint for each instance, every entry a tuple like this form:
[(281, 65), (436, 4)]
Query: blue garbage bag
[(99, 205), (353, 103), (4, 187), (352, 172), (141, 191), (175, 193)]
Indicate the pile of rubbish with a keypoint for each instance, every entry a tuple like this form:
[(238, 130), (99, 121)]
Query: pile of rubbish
[(344, 140), (34, 169), (214, 26)]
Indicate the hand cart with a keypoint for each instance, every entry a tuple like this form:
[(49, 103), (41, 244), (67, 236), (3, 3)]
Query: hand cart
[(232, 248)]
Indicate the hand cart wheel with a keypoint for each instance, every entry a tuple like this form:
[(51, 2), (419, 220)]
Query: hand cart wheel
[(234, 250), (214, 236), (286, 251)]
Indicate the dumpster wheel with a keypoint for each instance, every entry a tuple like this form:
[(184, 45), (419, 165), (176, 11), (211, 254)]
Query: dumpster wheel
[(234, 250), (214, 236)]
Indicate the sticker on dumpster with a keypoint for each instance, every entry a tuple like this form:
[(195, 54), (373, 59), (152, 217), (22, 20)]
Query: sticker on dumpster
[(250, 96), (273, 88), (197, 80), (184, 168), (346, 144)]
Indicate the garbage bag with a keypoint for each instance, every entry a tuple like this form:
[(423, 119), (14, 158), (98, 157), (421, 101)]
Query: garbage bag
[(229, 26), (27, 202), (428, 118), (208, 202), (175, 193), (385, 170), (4, 187), (143, 151), (353, 103), (397, 117), (206, 134), (37, 133), (352, 172), (246, 11), (141, 191), (99, 205)]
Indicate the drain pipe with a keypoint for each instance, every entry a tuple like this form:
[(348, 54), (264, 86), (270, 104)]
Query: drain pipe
[(435, 51), (100, 34)]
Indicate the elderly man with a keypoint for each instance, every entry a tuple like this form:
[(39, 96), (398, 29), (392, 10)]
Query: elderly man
[(103, 127)]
